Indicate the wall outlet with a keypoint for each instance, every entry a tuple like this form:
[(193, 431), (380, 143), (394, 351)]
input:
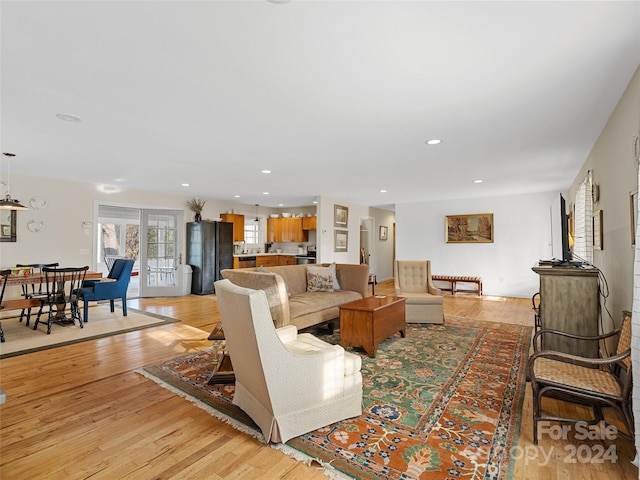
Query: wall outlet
[(84, 251)]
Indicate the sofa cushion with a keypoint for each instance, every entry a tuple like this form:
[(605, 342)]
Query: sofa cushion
[(336, 283), (422, 298), (319, 279), (312, 302)]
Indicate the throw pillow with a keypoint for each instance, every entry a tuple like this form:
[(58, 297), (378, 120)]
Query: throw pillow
[(319, 279), (336, 283)]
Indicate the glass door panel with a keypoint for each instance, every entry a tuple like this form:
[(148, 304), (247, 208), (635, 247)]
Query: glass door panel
[(160, 253)]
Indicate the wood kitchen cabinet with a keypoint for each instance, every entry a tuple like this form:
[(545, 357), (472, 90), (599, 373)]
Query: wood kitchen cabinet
[(286, 259), (267, 261), (286, 230), (309, 223), (238, 225), (569, 302)]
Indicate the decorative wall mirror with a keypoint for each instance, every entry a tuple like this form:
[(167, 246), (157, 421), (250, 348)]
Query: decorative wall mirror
[(8, 226)]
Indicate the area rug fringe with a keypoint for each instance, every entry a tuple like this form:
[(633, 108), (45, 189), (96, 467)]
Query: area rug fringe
[(210, 410), (326, 467)]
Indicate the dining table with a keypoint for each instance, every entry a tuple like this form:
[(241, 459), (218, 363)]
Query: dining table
[(33, 278)]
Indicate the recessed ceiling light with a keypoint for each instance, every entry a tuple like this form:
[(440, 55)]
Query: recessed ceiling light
[(281, 204), (383, 191), (266, 171), (68, 117), (185, 184), (265, 193), (236, 196), (477, 181), (433, 141)]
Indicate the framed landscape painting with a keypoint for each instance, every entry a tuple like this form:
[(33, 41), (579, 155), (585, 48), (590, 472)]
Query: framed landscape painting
[(474, 228)]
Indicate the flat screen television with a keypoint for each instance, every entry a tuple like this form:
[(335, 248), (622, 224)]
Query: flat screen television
[(561, 250)]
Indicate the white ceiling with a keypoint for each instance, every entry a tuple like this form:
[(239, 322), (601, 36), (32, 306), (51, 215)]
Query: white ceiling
[(336, 98)]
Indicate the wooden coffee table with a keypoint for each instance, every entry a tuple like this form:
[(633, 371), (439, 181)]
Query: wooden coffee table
[(367, 322)]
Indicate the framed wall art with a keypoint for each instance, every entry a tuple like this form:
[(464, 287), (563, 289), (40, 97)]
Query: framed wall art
[(8, 226), (340, 240), (633, 209), (473, 228), (340, 216), (384, 231), (597, 230)]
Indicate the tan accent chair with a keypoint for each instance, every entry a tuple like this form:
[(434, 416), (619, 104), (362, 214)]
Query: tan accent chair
[(595, 382), (424, 301), (288, 383)]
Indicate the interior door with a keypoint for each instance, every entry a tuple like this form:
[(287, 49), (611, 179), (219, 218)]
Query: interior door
[(160, 253)]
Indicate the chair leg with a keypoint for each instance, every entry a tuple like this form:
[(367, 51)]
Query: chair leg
[(26, 313), (536, 412), (75, 313), (86, 311), (1, 334), (124, 306), (112, 304)]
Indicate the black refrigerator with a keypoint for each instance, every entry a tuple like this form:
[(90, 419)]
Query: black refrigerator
[(209, 250)]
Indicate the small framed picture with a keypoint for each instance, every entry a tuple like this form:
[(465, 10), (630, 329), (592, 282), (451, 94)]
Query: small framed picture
[(340, 216), (340, 240), (633, 207), (383, 232), (598, 231), (6, 230)]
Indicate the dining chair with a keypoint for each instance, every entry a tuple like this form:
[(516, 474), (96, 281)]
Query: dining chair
[(5, 276), (114, 288), (62, 288), (32, 290)]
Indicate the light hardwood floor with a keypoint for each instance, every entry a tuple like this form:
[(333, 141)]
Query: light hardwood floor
[(81, 411)]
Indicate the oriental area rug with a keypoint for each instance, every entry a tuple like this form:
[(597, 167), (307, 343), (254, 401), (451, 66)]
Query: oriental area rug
[(21, 339), (443, 403)]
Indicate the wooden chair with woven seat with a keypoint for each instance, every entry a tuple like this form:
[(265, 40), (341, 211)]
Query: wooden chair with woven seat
[(535, 305), (594, 382)]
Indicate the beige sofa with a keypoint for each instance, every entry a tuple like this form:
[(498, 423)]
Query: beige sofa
[(290, 302)]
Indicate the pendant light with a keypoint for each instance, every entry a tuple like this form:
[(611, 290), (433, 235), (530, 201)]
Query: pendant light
[(257, 219), (8, 203)]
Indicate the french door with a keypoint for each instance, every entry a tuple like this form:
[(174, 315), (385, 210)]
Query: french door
[(151, 237), (161, 253)]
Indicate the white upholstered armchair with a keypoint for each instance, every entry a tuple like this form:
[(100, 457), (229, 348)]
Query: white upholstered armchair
[(288, 383), (424, 302)]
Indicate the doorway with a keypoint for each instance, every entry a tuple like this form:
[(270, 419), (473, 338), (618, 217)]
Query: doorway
[(152, 238), (366, 240)]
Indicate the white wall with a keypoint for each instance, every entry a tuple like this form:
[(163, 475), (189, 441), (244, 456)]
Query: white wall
[(612, 166), (381, 250), (71, 203), (522, 236)]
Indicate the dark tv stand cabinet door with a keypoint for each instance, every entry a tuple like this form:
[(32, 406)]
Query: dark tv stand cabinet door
[(569, 302)]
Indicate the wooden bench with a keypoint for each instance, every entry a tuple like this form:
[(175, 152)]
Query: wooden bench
[(453, 280)]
